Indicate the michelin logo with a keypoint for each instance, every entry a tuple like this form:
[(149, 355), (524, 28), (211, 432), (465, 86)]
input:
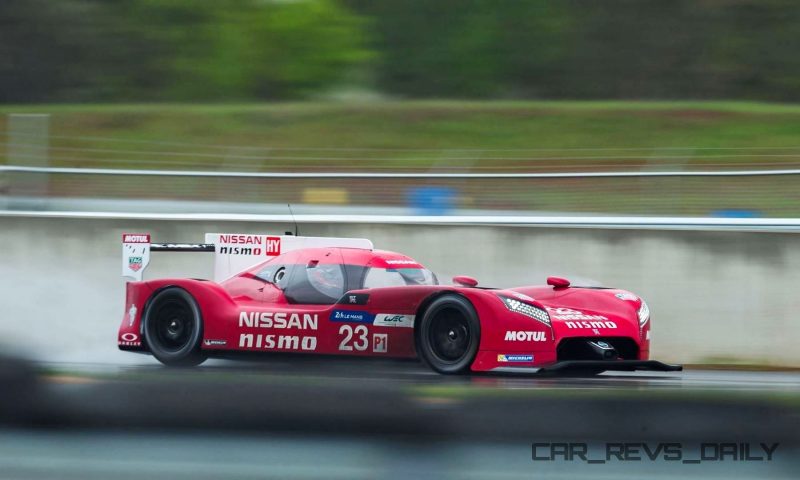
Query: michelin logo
[(393, 320), (505, 357)]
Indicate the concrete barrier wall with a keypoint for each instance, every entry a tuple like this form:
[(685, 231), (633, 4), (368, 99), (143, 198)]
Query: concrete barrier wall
[(715, 296)]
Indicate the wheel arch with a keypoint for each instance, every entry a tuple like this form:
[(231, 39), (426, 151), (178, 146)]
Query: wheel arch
[(149, 302), (426, 303), (425, 352), (187, 351)]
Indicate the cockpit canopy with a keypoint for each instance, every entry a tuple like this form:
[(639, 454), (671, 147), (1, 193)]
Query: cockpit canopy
[(323, 275)]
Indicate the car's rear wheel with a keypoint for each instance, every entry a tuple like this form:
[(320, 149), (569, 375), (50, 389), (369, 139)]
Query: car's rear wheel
[(173, 328), (449, 334)]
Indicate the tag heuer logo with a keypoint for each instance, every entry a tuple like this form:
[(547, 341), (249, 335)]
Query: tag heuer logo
[(135, 263)]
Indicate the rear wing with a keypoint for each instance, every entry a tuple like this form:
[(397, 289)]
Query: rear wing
[(233, 252)]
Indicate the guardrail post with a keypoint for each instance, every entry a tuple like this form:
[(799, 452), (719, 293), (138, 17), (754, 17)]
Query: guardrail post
[(27, 145)]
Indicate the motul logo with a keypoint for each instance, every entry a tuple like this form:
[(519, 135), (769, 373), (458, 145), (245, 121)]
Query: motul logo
[(135, 238), (273, 246), (523, 336)]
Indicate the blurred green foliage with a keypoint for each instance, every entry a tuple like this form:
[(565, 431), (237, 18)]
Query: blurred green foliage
[(118, 50), (473, 48), (588, 49), (223, 50)]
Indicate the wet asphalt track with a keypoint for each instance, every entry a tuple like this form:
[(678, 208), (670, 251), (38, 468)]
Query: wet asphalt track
[(290, 417), (377, 372)]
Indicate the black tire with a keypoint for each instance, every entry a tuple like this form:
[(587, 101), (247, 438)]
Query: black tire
[(173, 328), (448, 335)]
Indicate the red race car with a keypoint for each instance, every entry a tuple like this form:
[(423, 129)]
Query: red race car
[(340, 296)]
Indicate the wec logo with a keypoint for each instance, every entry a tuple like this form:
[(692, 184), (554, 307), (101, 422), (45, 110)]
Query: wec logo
[(394, 320), (521, 336)]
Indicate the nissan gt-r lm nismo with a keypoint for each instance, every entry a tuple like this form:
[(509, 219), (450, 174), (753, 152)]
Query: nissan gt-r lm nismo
[(340, 296)]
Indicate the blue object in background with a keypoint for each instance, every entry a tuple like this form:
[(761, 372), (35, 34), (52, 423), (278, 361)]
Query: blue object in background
[(736, 213), (431, 200)]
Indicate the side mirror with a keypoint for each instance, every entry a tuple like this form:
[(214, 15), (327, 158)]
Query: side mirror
[(465, 281), (558, 282)]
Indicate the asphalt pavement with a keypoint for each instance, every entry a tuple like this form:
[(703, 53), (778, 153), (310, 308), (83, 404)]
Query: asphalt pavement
[(290, 417), (410, 372)]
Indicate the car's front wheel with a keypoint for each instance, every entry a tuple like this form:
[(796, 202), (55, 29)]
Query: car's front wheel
[(173, 328), (448, 334)]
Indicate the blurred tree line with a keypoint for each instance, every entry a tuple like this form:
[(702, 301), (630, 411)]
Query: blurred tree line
[(164, 50), (204, 50)]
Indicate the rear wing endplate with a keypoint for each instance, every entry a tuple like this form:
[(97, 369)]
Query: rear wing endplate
[(136, 248)]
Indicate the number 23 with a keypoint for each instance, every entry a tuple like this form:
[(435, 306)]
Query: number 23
[(360, 342)]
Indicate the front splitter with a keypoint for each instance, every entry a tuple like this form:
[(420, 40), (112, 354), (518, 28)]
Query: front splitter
[(618, 365)]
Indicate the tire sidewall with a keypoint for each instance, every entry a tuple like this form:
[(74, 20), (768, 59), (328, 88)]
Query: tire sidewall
[(190, 353), (424, 347)]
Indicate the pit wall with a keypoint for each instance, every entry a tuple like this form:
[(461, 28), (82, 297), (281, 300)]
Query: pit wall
[(715, 297)]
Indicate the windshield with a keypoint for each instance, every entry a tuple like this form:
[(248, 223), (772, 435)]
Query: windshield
[(398, 277)]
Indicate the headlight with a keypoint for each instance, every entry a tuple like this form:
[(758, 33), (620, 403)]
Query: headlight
[(528, 310), (644, 313)]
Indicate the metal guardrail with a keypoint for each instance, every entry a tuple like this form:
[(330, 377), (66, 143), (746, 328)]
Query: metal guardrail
[(674, 193), (421, 175), (44, 170), (613, 222)]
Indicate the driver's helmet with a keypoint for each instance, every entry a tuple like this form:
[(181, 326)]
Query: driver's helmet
[(327, 279)]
